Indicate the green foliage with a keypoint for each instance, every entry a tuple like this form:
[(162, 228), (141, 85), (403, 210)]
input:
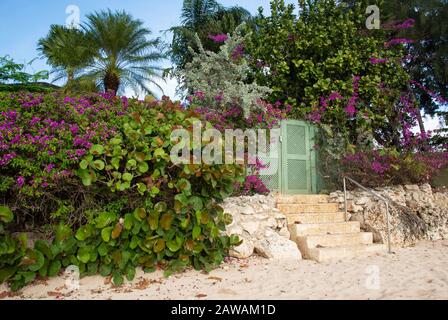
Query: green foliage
[(429, 51), (112, 53), (68, 51), (137, 208), (387, 167), (124, 56), (11, 72), (304, 59), (224, 74), (202, 18), (35, 87)]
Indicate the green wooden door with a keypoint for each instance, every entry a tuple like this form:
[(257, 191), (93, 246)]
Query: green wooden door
[(298, 159)]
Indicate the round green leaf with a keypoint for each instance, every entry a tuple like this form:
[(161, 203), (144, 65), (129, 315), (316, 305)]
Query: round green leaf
[(84, 164), (97, 150), (84, 254), (160, 207), (99, 164), (166, 220), (6, 214), (196, 232), (143, 167), (39, 260), (127, 177), (105, 270), (131, 164), (54, 268), (117, 278), (106, 233), (159, 245)]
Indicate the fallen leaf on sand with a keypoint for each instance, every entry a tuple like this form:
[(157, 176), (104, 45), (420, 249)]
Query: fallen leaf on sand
[(96, 291), (4, 294), (61, 288), (143, 284), (201, 295), (108, 280), (215, 278)]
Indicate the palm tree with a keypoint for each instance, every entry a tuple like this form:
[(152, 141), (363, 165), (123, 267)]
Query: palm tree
[(125, 56), (67, 51), (204, 18)]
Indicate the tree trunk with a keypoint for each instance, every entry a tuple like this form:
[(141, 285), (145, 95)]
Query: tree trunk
[(70, 78), (421, 124), (111, 82)]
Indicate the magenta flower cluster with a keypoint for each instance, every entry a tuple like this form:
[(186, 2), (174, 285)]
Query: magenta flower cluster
[(398, 41), (432, 94), (409, 23), (378, 60), (317, 113), (218, 38), (238, 52), (350, 109), (254, 185), (41, 138)]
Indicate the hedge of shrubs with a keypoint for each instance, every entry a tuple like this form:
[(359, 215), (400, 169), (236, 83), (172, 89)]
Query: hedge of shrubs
[(387, 167), (93, 173)]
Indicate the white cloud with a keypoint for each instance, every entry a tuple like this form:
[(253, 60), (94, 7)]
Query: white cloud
[(169, 88), (431, 124)]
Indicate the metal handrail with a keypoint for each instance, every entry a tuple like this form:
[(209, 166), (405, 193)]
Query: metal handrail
[(376, 195)]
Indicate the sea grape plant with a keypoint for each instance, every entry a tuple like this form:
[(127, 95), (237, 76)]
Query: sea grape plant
[(114, 199)]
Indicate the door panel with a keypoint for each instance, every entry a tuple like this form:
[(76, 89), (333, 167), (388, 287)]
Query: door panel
[(296, 158)]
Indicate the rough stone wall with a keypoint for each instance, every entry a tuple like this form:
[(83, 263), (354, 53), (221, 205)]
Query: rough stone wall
[(417, 213), (261, 226)]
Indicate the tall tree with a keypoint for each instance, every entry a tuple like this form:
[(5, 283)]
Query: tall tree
[(125, 56), (332, 70), (67, 51), (428, 60), (204, 18)]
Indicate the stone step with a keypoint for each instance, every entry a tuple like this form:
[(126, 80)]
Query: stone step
[(346, 252), (303, 199), (303, 218), (334, 240), (310, 229), (308, 208)]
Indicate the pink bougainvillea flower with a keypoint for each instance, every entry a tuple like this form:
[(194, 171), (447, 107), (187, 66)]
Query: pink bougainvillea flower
[(377, 60), (218, 38), (74, 129), (335, 96), (49, 167), (409, 23), (398, 41), (350, 110), (200, 95), (20, 181), (238, 52), (219, 98)]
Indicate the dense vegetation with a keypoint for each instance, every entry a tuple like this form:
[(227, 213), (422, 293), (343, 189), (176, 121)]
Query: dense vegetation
[(91, 172), (94, 173)]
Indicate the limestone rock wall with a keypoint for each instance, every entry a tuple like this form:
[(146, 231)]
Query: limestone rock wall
[(417, 213), (261, 226)]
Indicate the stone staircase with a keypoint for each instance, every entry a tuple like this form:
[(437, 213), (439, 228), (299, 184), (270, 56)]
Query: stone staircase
[(320, 230)]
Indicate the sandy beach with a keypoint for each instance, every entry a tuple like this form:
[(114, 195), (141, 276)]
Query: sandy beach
[(419, 272)]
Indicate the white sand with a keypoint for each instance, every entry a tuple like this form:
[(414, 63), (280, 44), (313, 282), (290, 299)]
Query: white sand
[(420, 272)]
